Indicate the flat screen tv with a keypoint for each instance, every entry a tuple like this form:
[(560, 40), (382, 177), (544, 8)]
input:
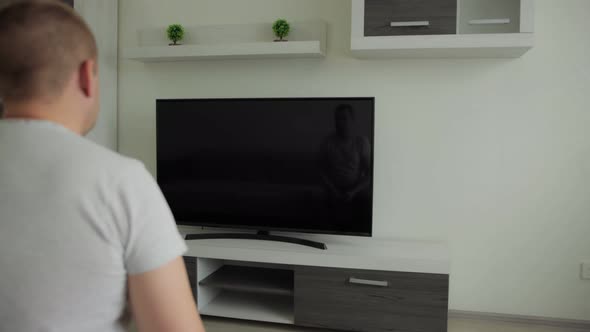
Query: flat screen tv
[(290, 164)]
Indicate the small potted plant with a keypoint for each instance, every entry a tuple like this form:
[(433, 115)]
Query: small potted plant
[(175, 33), (281, 28)]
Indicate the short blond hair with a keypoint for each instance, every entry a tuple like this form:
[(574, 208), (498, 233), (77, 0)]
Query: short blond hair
[(42, 43)]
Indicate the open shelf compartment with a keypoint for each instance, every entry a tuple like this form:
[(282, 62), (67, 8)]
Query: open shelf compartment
[(249, 306), (241, 290), (249, 279)]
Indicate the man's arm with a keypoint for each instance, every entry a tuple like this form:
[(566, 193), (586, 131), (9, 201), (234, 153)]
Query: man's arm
[(161, 300)]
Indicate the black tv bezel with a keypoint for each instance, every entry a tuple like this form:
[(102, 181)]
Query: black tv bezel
[(279, 229)]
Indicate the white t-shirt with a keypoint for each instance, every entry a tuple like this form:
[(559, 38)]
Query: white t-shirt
[(75, 220)]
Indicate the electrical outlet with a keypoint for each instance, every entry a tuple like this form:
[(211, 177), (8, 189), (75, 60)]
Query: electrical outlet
[(585, 273)]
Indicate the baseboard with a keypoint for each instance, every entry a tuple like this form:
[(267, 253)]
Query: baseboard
[(521, 319)]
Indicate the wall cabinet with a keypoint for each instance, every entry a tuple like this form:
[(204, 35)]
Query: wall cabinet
[(442, 28)]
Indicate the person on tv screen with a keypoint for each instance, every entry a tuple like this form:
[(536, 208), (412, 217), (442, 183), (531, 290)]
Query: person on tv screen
[(83, 230), (345, 159)]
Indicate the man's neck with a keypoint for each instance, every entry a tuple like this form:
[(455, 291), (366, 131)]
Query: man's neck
[(51, 112)]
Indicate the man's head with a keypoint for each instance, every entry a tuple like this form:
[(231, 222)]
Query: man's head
[(48, 66), (344, 120)]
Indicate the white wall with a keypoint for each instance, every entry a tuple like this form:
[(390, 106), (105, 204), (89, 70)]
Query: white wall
[(101, 16), (491, 155)]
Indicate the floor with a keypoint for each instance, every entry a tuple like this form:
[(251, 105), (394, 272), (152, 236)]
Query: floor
[(455, 325)]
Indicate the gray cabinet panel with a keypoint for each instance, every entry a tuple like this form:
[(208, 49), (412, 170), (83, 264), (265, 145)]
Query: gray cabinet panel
[(475, 13), (379, 14), (371, 301)]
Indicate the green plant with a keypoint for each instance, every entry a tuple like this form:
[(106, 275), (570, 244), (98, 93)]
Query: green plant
[(281, 28), (175, 33)]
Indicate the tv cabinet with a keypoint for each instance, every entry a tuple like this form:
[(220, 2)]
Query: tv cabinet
[(356, 285)]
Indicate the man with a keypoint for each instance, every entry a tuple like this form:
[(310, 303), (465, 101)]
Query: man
[(345, 164), (345, 158), (83, 230)]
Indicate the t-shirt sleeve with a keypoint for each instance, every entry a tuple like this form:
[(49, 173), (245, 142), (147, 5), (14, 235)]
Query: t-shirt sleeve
[(151, 239)]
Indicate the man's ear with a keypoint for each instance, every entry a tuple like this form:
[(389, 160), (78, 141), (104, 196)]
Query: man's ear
[(87, 81)]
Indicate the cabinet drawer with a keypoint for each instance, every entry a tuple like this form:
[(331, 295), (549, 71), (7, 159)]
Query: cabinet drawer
[(410, 17), (489, 16), (371, 301)]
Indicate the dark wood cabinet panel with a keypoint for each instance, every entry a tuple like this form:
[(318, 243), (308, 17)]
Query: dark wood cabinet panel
[(371, 301), (440, 14)]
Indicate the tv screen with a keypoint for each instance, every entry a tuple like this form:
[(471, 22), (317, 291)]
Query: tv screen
[(303, 165)]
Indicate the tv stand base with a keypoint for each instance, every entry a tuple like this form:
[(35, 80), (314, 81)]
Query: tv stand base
[(261, 236)]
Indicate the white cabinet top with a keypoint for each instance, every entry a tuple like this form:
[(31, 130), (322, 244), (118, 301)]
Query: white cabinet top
[(345, 252)]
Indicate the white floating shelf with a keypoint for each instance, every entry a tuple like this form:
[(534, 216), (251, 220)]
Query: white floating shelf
[(506, 45), (232, 41), (291, 49)]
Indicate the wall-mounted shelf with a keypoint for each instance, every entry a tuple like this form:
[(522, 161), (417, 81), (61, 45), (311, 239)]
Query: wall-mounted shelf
[(450, 29), (292, 49), (236, 41)]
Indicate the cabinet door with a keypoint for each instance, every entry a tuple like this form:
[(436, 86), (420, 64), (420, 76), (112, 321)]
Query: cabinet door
[(410, 17), (370, 301), (489, 16)]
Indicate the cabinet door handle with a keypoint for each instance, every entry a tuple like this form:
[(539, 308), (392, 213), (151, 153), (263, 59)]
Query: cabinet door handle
[(490, 21), (410, 24), (377, 283)]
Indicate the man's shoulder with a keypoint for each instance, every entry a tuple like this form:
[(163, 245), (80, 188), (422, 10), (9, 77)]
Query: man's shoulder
[(96, 156)]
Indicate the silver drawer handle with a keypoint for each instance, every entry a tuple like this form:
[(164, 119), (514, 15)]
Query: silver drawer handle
[(377, 283), (410, 24), (490, 21)]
